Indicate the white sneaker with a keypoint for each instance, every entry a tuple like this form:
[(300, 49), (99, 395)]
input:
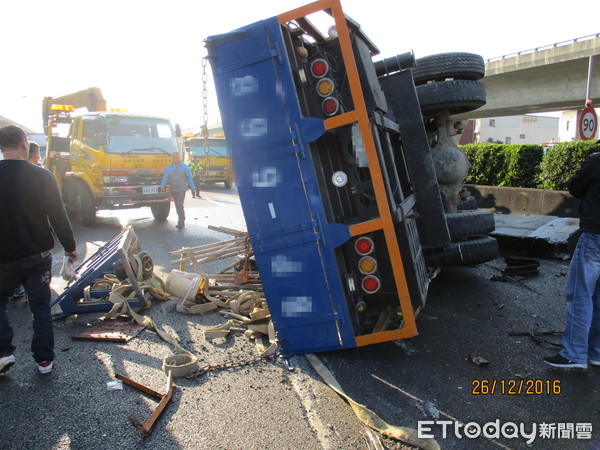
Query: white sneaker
[(594, 362), (6, 362), (45, 367)]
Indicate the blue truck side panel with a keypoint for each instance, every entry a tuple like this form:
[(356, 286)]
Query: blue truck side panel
[(293, 243)]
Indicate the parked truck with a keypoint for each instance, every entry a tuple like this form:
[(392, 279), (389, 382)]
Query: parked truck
[(214, 157), (348, 173), (107, 160)]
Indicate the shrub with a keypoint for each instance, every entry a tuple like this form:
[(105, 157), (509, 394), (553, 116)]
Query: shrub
[(521, 165), (562, 161), (486, 163), (503, 165)]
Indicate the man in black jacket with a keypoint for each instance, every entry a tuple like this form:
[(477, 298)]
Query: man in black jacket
[(581, 338), (30, 208)]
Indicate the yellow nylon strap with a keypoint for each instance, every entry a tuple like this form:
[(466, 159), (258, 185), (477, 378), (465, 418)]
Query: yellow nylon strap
[(368, 417)]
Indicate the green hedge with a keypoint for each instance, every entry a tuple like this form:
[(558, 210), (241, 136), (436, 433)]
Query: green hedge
[(562, 161), (526, 165), (504, 165)]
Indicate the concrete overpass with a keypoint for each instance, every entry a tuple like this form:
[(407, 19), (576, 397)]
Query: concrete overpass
[(551, 78)]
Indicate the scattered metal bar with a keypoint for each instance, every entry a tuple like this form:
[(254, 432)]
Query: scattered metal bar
[(145, 427)]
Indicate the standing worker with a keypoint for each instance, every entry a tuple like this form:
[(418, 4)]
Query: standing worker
[(179, 178), (581, 338), (31, 208), (34, 154), (33, 158), (196, 168)]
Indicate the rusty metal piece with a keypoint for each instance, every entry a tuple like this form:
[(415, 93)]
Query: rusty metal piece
[(111, 330), (241, 276), (145, 427)]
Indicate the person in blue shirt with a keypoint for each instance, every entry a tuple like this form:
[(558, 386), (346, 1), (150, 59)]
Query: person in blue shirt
[(179, 178)]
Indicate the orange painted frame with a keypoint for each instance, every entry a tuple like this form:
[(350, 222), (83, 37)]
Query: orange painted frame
[(360, 116)]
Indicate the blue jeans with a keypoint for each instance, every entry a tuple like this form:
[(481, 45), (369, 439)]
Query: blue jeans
[(35, 273), (581, 339)]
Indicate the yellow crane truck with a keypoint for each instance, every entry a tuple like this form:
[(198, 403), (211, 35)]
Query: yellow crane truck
[(107, 160)]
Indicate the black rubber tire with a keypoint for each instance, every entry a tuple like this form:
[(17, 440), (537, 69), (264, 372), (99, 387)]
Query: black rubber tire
[(478, 251), (160, 211), (467, 253), (457, 65), (470, 223), (455, 96), (147, 265), (85, 209), (468, 204)]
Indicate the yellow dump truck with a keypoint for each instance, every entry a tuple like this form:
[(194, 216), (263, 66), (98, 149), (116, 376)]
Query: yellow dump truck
[(107, 160)]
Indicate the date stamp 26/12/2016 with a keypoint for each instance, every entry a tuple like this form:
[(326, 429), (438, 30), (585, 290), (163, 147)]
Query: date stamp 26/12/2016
[(515, 387)]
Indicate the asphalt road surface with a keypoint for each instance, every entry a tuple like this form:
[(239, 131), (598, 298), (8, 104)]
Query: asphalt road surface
[(430, 381)]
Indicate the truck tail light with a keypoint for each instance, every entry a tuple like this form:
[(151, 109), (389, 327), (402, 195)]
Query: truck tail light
[(364, 246), (325, 87), (319, 67), (367, 265), (371, 284), (330, 106)]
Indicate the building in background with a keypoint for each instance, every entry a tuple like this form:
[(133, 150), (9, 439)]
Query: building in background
[(525, 129)]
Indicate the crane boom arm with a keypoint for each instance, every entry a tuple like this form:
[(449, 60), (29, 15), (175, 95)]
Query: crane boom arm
[(90, 98)]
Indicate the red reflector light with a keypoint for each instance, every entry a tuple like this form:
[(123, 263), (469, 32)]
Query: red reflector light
[(371, 284), (319, 67), (330, 106), (364, 246)]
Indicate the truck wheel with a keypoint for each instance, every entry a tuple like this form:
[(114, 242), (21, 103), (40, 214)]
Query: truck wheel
[(470, 223), (455, 96), (160, 211), (85, 209), (457, 65), (467, 253), (478, 251), (467, 204)]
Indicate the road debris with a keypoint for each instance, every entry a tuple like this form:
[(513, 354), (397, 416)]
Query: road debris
[(478, 360), (238, 293), (145, 427), (521, 266), (117, 270), (117, 329), (368, 417), (536, 336), (115, 385)]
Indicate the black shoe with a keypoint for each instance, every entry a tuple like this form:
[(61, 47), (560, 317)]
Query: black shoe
[(179, 227), (562, 363)]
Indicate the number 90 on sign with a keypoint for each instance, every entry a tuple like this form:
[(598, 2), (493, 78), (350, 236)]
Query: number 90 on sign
[(588, 124)]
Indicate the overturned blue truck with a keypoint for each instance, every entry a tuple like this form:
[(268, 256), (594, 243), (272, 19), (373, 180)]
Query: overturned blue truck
[(348, 173)]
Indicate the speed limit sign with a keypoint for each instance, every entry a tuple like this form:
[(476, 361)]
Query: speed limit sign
[(588, 124)]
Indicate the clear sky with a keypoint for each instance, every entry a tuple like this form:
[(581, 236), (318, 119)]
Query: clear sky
[(146, 56)]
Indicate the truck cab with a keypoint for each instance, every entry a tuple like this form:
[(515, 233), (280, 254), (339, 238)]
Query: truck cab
[(109, 160), (215, 158)]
